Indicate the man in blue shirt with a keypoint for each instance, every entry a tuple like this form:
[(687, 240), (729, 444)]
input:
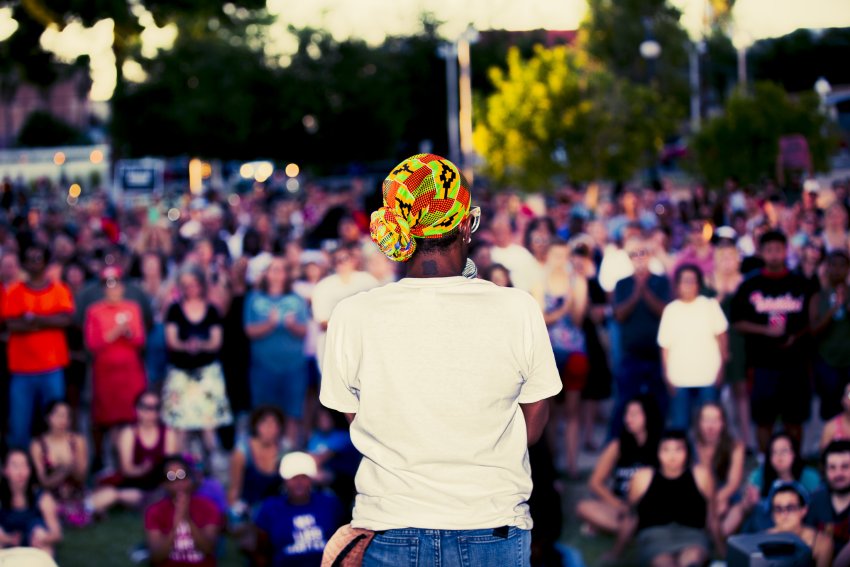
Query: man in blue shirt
[(639, 301), (294, 527)]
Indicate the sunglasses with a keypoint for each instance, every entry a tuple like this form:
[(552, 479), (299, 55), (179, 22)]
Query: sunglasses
[(148, 407), (786, 509), (173, 476), (475, 213)]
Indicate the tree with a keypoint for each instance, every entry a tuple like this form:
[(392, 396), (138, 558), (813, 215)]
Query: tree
[(44, 129), (798, 59), (561, 114), (744, 141), (613, 33)]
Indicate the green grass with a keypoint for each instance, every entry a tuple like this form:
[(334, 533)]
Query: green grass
[(108, 542)]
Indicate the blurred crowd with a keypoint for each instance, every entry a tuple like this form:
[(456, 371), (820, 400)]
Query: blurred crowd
[(168, 357)]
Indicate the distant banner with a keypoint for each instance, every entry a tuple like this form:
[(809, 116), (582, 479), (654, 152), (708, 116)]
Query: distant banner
[(794, 153)]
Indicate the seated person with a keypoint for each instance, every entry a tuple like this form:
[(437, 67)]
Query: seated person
[(335, 454), (142, 447), (788, 507), (28, 517), (838, 428), (636, 447), (782, 462), (723, 455), (61, 458), (674, 503), (182, 528), (255, 463), (294, 527), (829, 508)]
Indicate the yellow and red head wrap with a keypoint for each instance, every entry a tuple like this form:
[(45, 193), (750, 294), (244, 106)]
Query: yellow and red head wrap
[(425, 196)]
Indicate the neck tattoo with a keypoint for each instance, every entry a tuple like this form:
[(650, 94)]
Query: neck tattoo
[(429, 268)]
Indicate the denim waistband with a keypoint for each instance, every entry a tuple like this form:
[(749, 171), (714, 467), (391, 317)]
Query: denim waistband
[(501, 531)]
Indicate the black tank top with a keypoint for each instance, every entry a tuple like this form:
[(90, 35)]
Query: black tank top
[(672, 500)]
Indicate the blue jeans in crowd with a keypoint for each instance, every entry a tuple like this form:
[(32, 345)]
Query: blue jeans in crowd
[(24, 391), (409, 547), (685, 402), (637, 377), (829, 385)]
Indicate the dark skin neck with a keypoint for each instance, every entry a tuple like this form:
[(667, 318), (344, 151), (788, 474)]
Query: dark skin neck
[(444, 263)]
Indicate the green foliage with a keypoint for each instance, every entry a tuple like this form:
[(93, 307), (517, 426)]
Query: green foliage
[(44, 129), (719, 67), (216, 97), (798, 59), (614, 31), (744, 141), (559, 114)]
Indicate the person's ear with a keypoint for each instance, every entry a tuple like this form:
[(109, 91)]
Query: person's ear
[(466, 229)]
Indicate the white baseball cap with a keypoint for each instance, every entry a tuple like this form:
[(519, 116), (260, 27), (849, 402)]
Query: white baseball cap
[(296, 463)]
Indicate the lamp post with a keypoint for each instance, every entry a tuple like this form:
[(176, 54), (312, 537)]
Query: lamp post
[(448, 51), (469, 36), (697, 49), (459, 99), (741, 39), (650, 50)]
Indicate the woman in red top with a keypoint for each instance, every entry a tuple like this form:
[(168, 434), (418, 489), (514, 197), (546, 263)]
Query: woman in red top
[(115, 335), (142, 447)]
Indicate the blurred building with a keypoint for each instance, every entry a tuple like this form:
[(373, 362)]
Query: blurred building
[(66, 100)]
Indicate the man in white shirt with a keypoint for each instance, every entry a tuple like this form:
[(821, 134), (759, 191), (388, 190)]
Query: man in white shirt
[(344, 282), (446, 380), (526, 271)]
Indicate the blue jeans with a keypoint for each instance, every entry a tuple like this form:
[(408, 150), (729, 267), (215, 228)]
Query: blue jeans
[(156, 358), (412, 547), (637, 377), (685, 401), (24, 391), (829, 385)]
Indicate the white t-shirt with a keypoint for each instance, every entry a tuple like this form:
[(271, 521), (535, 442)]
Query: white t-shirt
[(435, 369), (689, 333), (331, 290), (526, 272), (616, 265)]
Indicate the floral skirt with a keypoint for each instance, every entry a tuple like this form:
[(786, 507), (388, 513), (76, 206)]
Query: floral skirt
[(195, 399)]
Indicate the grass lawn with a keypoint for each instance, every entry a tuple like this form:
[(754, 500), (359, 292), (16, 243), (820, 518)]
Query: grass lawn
[(109, 542)]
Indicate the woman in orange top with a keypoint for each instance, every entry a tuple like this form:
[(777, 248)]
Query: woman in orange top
[(115, 335)]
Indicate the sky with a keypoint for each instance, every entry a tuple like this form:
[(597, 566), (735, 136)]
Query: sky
[(373, 19)]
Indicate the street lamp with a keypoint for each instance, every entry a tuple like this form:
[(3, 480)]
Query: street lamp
[(824, 89), (650, 49)]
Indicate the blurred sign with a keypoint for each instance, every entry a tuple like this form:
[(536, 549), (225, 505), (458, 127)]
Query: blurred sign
[(794, 153), (138, 176)]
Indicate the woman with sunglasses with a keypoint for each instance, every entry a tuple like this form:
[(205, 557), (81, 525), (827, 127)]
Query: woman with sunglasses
[(183, 527), (788, 507), (142, 447)]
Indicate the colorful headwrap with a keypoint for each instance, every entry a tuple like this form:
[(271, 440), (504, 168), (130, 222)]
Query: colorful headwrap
[(425, 196)]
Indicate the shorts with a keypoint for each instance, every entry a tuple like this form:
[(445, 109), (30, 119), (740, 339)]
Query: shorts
[(23, 521), (670, 538), (780, 393), (574, 369)]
